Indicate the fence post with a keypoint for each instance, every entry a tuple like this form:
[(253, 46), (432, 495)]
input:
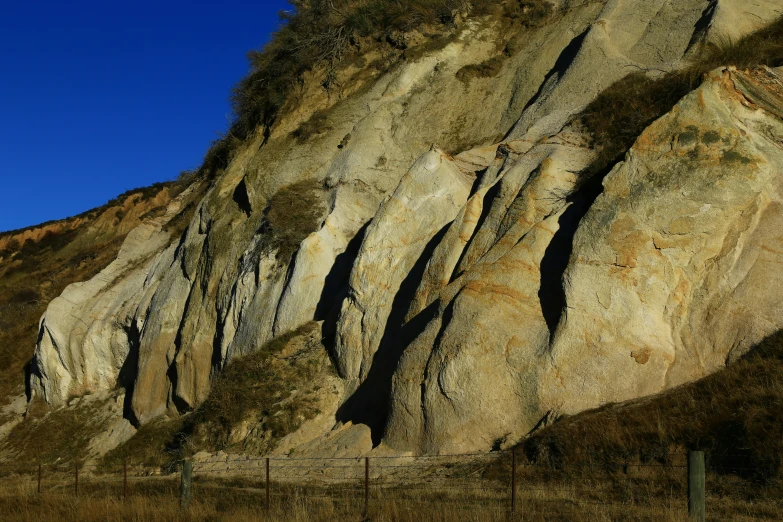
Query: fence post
[(125, 480), (76, 481), (39, 478), (696, 487), (513, 481), (366, 487), (186, 485), (267, 485)]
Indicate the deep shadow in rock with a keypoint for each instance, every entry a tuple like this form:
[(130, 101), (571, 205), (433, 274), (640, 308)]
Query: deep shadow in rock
[(31, 368), (181, 404), (336, 282), (703, 23), (128, 372), (242, 198), (551, 293), (370, 403), (336, 290), (489, 198), (563, 62)]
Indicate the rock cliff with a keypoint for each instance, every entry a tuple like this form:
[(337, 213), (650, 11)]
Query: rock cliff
[(474, 276)]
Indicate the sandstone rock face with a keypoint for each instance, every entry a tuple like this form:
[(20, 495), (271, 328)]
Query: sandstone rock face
[(426, 200), (470, 378), (471, 288), (676, 265), (223, 290), (736, 18), (674, 270), (84, 341)]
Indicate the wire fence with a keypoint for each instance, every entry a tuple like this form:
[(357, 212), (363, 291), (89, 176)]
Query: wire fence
[(502, 481)]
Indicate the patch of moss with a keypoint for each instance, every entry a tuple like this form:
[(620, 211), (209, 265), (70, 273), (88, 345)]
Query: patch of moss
[(711, 137), (732, 156), (689, 136), (315, 125)]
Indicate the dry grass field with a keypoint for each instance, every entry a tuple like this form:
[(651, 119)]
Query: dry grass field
[(640, 493), (156, 500)]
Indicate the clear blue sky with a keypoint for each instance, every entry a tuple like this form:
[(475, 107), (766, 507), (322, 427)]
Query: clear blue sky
[(101, 96)]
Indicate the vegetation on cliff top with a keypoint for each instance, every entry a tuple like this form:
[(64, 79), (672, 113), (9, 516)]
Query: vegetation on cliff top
[(320, 33)]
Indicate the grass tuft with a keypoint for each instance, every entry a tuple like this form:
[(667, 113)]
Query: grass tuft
[(267, 389), (293, 213)]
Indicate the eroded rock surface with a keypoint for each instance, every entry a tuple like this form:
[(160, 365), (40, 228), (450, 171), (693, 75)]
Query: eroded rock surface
[(471, 288), (676, 267)]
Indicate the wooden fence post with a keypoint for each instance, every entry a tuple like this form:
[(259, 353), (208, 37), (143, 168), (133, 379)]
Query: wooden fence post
[(267, 485), (186, 486), (696, 486), (76, 481), (40, 472), (513, 481)]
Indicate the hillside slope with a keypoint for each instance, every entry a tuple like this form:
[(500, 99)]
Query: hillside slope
[(733, 415), (485, 235), (37, 264)]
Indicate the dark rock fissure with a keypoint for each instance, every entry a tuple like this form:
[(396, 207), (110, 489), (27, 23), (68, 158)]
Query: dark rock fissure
[(31, 368), (489, 197), (703, 23), (477, 181), (180, 404), (242, 198), (551, 293), (128, 372), (336, 287), (446, 317), (563, 62), (370, 403), (217, 342), (288, 275)]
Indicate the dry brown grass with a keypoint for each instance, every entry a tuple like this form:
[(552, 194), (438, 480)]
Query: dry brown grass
[(293, 213), (154, 444), (156, 499), (736, 415), (58, 436), (448, 491)]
